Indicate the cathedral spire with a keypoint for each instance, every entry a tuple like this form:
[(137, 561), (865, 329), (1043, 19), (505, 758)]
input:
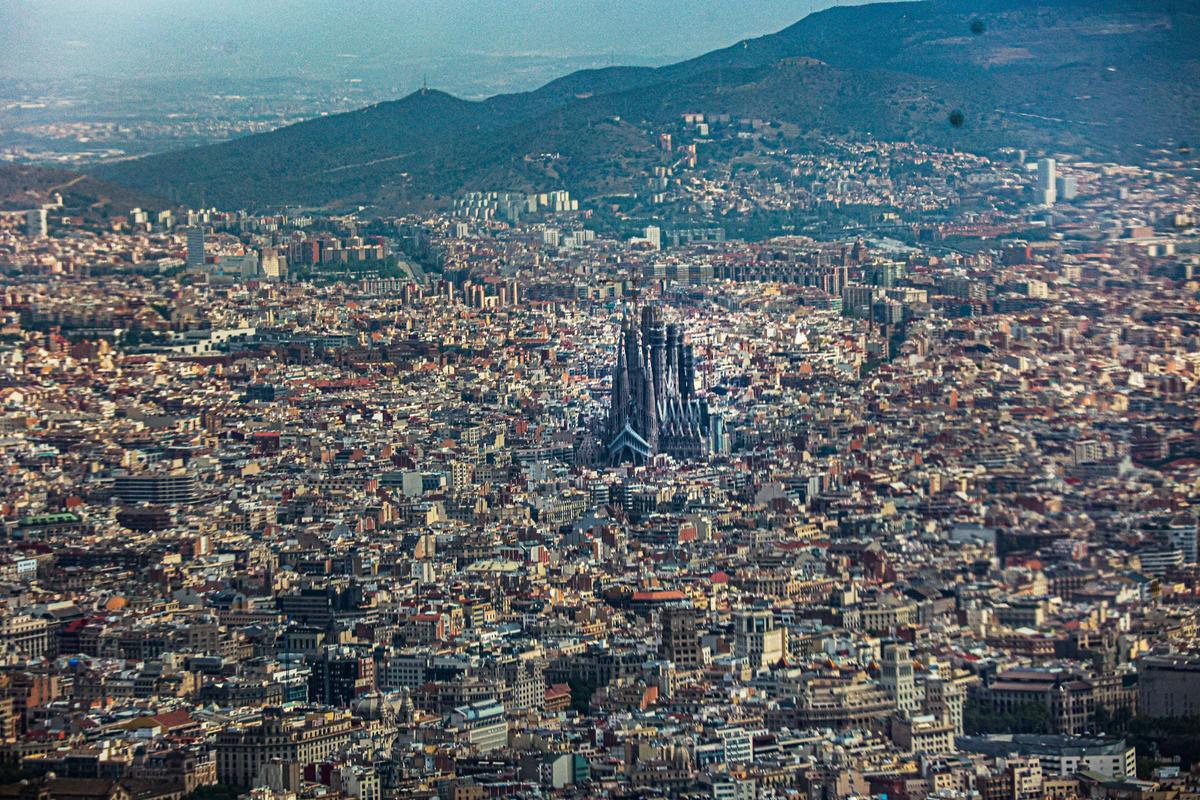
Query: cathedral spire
[(654, 407)]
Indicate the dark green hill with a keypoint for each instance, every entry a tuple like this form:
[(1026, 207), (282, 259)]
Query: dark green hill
[(1107, 77), (23, 187)]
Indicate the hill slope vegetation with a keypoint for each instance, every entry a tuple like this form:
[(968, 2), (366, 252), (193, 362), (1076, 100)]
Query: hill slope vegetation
[(1098, 77)]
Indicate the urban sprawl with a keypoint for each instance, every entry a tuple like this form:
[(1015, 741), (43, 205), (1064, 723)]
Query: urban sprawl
[(508, 500)]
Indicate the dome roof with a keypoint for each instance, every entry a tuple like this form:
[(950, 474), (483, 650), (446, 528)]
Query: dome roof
[(375, 707)]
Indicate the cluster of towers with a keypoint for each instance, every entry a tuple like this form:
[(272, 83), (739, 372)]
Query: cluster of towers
[(654, 404)]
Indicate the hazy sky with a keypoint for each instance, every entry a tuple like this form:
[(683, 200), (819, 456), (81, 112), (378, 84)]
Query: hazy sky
[(262, 38)]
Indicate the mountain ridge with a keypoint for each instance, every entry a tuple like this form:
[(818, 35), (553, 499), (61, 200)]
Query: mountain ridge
[(1135, 62)]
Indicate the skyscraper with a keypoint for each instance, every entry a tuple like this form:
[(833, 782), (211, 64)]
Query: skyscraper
[(655, 408), (681, 639), (35, 223), (896, 676), (195, 247), (1047, 182), (1068, 187), (654, 236)]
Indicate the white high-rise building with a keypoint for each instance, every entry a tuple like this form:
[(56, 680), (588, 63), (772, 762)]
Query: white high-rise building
[(273, 265), (654, 236), (1047, 181), (35, 223), (1068, 187), (195, 247), (896, 677), (1184, 535)]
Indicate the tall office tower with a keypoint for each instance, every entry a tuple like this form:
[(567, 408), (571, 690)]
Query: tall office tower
[(35, 223), (273, 264), (1068, 187), (1047, 181), (654, 236), (681, 639), (896, 676), (654, 407), (195, 247)]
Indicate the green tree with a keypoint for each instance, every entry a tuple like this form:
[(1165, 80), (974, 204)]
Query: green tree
[(581, 694), (1026, 718), (217, 791)]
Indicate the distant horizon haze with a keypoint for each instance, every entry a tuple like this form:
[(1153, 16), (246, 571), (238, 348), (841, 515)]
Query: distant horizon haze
[(378, 42)]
